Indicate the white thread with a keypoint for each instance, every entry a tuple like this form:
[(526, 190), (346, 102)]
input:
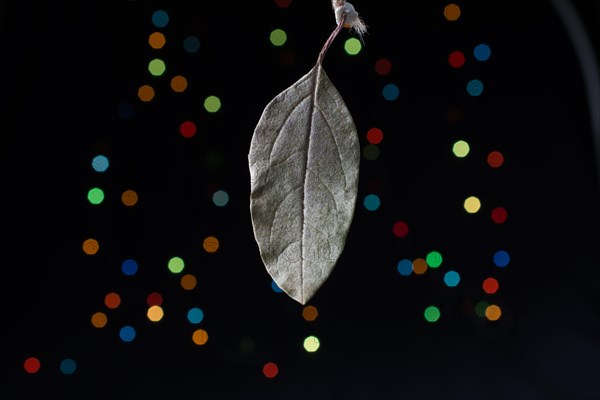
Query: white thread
[(353, 20)]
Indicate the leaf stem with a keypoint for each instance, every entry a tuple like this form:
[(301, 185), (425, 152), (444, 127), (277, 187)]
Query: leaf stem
[(330, 39)]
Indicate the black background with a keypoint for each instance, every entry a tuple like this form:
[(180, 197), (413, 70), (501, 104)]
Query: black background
[(69, 67)]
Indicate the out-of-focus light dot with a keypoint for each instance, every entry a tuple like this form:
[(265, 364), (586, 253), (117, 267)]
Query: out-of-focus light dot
[(160, 18), (405, 267), (212, 104), (125, 110), (188, 282), (501, 258), (310, 313), (383, 66), (475, 87), (99, 320), (90, 246), (155, 313), (210, 244), (461, 149), (129, 198), (499, 215), (371, 152), (191, 44), (127, 333), (482, 52), (456, 59), (311, 344), (400, 229), (154, 299), (246, 345), (278, 37), (374, 135), (472, 204), (353, 46), (157, 67), (176, 265), (68, 366), (493, 312), (129, 267), (432, 314), (179, 83), (490, 285), (32, 365), (452, 278), (270, 370), (452, 12), (112, 300), (283, 3), (200, 337), (100, 163), (495, 159), (156, 40), (390, 92), (95, 196), (276, 287), (195, 315), (187, 129), (419, 266), (372, 202), (434, 259), (480, 308), (146, 93), (220, 198)]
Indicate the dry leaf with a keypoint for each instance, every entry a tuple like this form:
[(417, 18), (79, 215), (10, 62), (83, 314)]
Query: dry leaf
[(304, 163)]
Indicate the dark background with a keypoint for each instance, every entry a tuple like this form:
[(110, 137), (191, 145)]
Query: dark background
[(69, 68)]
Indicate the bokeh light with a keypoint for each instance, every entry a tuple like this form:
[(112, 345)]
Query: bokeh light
[(146, 93), (187, 129), (191, 44), (475, 87), (129, 198), (100, 163), (270, 370), (212, 104), (371, 152), (432, 314), (451, 278), (495, 159), (499, 215), (419, 266), (472, 204), (482, 52), (452, 12), (311, 344), (157, 67), (400, 229), (200, 337), (154, 299), (275, 287), (112, 300), (156, 40), (211, 244), (390, 92), (95, 196), (461, 149), (374, 135), (278, 37), (220, 198), (353, 46), (68, 366), (160, 18), (383, 66), (188, 282), (490, 285), (179, 83), (405, 267), (493, 312), (434, 259), (127, 333), (195, 315), (372, 202), (176, 265), (32, 365), (155, 313), (99, 320), (501, 258), (310, 313), (456, 59), (90, 246), (129, 267)]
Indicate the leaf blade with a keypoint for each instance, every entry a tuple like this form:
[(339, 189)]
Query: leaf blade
[(303, 159)]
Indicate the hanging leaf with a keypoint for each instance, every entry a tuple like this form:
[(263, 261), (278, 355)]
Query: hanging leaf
[(304, 163)]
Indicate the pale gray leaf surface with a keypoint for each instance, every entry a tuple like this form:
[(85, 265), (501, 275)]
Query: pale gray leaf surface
[(304, 162)]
